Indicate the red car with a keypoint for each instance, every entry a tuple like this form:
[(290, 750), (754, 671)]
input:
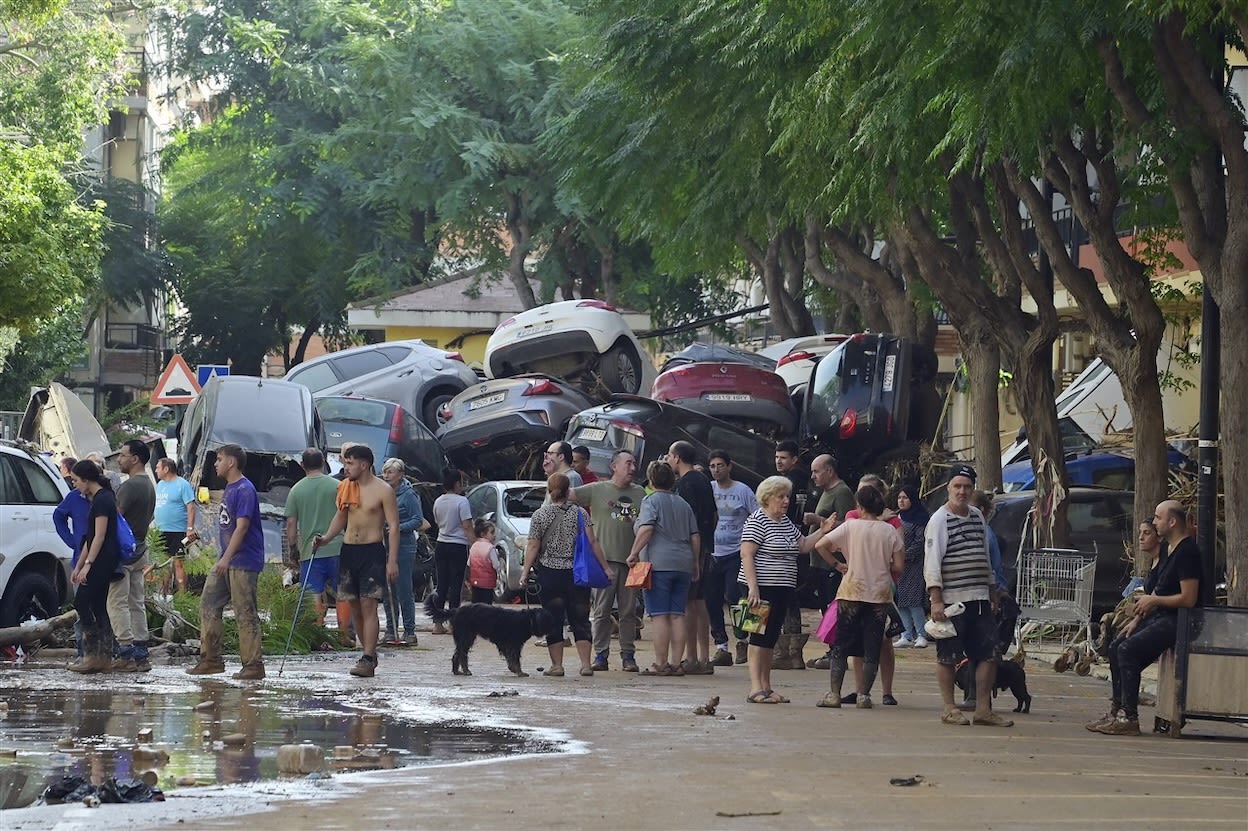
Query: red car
[(745, 395)]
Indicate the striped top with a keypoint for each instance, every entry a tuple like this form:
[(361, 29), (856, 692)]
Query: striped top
[(956, 556), (775, 562)]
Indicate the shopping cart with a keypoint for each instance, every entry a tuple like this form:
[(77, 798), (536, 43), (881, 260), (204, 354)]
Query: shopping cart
[(1055, 601)]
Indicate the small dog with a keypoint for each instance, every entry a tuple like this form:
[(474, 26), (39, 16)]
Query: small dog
[(1010, 676), (505, 628)]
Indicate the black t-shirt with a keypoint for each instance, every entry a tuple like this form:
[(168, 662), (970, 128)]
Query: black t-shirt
[(1182, 564), (1150, 580), (104, 504), (695, 488)]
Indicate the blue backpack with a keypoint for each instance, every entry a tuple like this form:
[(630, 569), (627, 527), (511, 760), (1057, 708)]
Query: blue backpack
[(125, 539)]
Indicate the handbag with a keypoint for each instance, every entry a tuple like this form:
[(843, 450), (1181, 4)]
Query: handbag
[(749, 619), (827, 627), (586, 570), (640, 576)]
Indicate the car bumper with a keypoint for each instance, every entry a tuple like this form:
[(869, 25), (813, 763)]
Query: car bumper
[(494, 434), (512, 358)]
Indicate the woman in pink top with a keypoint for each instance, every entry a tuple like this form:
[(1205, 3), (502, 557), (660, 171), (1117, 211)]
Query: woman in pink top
[(873, 553)]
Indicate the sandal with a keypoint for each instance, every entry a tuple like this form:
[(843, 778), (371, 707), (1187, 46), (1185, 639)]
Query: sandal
[(674, 670), (654, 669), (776, 698), (760, 697), (954, 717)]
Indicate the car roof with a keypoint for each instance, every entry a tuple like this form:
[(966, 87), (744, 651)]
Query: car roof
[(506, 484), (230, 414), (1080, 490)]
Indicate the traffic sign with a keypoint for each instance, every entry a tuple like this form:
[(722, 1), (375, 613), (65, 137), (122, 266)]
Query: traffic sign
[(177, 384), (205, 371)]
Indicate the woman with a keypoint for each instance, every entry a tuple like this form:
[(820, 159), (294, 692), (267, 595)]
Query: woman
[(911, 589), (400, 601), (553, 529), (873, 552), (667, 536), (453, 516), (96, 568), (770, 546)]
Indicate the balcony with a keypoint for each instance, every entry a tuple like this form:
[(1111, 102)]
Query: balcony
[(133, 355)]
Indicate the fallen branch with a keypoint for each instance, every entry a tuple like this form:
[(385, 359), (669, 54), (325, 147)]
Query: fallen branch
[(32, 634), (748, 814)]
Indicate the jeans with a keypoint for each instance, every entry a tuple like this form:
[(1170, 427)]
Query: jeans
[(603, 601), (401, 594), (238, 589), (722, 587), (450, 562), (1129, 655), (913, 618)]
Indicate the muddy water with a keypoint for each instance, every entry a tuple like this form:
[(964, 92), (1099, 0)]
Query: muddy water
[(217, 734)]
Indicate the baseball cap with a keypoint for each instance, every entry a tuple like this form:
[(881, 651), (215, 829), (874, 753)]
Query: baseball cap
[(963, 470)]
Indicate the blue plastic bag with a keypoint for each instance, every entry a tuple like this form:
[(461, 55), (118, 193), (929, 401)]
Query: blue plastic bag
[(586, 570)]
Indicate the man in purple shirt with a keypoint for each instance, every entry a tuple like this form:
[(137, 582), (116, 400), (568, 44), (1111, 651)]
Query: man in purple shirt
[(234, 578)]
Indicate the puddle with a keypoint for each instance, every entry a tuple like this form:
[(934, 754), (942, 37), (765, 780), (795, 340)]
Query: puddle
[(216, 734)]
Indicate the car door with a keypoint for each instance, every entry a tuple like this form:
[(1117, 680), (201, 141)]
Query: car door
[(484, 503), (19, 521), (1100, 521)]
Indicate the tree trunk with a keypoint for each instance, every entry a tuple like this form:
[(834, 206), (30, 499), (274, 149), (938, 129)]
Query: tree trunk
[(1034, 395), (33, 634), (301, 349), (983, 363), (1141, 389), (521, 235)]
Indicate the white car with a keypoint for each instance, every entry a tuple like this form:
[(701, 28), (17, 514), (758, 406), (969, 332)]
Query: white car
[(585, 342), (34, 561), (796, 357), (510, 506)]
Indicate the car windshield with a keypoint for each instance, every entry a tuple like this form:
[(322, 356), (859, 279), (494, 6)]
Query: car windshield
[(354, 411), (522, 502), (827, 385)]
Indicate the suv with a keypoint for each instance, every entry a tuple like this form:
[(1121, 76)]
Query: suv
[(34, 562), (408, 372), (647, 429)]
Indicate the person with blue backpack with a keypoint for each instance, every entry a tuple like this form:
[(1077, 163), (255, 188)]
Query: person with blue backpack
[(127, 597), (96, 568)]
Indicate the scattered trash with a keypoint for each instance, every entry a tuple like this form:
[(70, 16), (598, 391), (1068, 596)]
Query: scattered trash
[(731, 814), (707, 709), (144, 735), (906, 782), (502, 693), (111, 791)]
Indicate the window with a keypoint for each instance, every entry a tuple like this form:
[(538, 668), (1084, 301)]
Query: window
[(484, 503), (44, 489), (315, 377), (421, 449), (360, 363), (397, 354), (10, 487)]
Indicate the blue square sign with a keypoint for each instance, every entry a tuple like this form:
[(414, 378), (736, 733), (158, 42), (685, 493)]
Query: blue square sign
[(205, 371)]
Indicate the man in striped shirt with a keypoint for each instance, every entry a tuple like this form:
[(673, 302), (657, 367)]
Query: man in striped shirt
[(957, 569)]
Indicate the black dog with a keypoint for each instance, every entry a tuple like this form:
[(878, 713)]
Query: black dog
[(505, 628), (1010, 676)]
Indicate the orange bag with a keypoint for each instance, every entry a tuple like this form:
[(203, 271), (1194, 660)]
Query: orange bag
[(639, 576)]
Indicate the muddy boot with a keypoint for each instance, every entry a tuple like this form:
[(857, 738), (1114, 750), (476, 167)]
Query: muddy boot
[(742, 652), (783, 656), (93, 657)]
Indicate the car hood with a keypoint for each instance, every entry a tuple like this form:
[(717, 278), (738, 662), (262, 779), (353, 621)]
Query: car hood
[(259, 415), (58, 421)]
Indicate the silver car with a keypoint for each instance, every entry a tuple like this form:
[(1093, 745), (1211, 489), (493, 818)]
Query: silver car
[(410, 373), (509, 505)]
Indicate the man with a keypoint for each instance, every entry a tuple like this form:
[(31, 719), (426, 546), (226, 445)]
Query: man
[(1155, 626), (613, 505), (835, 497), (366, 508), (310, 508), (694, 486), (127, 598), (957, 569), (114, 478), (558, 459), (175, 517), (580, 463), (787, 464), (734, 502), (234, 578)]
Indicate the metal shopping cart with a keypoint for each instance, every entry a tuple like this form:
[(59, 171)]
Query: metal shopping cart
[(1055, 602)]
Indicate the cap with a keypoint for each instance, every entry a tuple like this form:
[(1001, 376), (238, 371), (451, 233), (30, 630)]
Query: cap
[(962, 470)]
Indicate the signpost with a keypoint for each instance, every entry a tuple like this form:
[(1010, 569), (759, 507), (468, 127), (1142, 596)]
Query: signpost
[(177, 384), (205, 371)]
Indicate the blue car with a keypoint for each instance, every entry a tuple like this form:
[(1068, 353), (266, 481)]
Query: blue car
[(1103, 468)]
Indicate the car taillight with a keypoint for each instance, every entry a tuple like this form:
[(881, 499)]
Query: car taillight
[(888, 425), (795, 356), (506, 323), (595, 304), (630, 428), (455, 356), (396, 427), (543, 388), (861, 337), (849, 424)]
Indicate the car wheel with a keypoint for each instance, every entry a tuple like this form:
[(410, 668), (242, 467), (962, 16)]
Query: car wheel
[(502, 587), (29, 594), (435, 413), (621, 369)]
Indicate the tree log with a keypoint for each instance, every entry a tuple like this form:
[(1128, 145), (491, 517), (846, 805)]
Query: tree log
[(32, 634)]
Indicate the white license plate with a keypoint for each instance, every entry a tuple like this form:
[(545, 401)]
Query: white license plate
[(591, 434), (727, 396), (541, 329), (890, 372), (486, 400)]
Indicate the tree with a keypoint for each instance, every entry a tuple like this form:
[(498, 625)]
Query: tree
[(47, 351)]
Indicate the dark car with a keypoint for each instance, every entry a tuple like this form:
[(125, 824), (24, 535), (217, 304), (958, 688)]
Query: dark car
[(697, 353), (500, 427), (274, 421), (1099, 521), (647, 429), (1103, 468), (388, 429), (750, 396), (411, 373), (871, 397)]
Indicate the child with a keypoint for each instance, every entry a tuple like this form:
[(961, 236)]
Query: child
[(483, 563)]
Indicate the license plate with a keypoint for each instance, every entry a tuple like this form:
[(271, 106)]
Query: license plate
[(536, 330), (890, 370), (727, 396), (486, 400), (591, 434)]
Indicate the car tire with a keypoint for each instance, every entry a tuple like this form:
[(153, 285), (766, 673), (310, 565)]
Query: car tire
[(433, 405), (620, 368), (27, 594)]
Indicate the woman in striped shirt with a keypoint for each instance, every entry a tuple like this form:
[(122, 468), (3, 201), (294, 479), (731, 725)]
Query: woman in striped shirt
[(770, 546)]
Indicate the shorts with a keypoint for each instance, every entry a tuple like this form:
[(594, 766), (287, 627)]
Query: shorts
[(668, 593), (362, 571), (977, 636), (318, 573), (697, 589), (173, 543)]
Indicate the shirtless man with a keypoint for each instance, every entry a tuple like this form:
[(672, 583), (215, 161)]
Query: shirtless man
[(366, 507)]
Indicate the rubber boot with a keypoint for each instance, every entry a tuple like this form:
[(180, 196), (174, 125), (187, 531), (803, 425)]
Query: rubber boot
[(95, 655), (780, 654)]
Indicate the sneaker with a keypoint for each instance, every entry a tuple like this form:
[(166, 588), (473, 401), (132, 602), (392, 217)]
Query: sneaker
[(994, 720), (831, 700), (742, 652), (207, 667), (142, 665), (888, 700), (722, 658), (954, 717), (1121, 726), (366, 667), (554, 672), (903, 643), (921, 643), (1105, 719), (254, 672), (410, 638), (600, 663), (822, 662), (628, 663), (852, 698), (123, 663), (864, 702)]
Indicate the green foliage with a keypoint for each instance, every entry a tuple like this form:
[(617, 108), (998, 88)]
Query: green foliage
[(43, 354)]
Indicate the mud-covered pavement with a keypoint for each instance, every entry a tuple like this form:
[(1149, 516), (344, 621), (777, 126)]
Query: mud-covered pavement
[(630, 753)]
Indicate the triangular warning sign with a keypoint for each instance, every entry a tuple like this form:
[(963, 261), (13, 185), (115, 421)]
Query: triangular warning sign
[(177, 384)]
